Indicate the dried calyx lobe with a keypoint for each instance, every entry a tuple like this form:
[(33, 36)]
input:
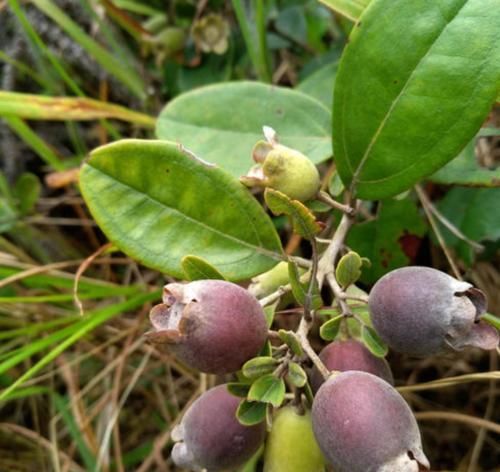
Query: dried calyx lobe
[(421, 311), (362, 424), (210, 437), (350, 355), (211, 325)]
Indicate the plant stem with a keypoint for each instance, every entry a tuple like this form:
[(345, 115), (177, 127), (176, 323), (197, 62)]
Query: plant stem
[(325, 198)]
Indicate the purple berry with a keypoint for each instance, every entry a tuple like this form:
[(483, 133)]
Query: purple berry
[(362, 424), (350, 355), (211, 325), (210, 437), (421, 311)]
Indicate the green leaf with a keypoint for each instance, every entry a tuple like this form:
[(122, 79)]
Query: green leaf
[(238, 389), (475, 213), (250, 413), (268, 389), (465, 170), (320, 84), (304, 222), (383, 240), (27, 190), (300, 289), (348, 269), (351, 9), (259, 366), (400, 119), (330, 328), (269, 312), (197, 268), (296, 375), (291, 340), (158, 204), (373, 342), (223, 122)]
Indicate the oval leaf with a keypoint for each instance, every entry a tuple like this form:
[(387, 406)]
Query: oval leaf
[(296, 375), (373, 342), (348, 269), (259, 366), (158, 204), (400, 119), (268, 389), (197, 268), (250, 413), (291, 340), (223, 122), (330, 329)]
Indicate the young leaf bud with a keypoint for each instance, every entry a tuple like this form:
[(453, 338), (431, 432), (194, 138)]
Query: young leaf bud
[(283, 169), (350, 355), (291, 445), (210, 437), (421, 311), (211, 325), (362, 424)]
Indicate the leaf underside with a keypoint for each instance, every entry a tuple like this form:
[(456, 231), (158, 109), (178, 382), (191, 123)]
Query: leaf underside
[(426, 75)]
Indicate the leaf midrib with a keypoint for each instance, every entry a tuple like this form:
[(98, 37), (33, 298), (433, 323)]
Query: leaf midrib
[(380, 128), (258, 249)]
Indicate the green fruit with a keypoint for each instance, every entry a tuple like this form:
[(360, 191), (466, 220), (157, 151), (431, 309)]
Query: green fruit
[(291, 446)]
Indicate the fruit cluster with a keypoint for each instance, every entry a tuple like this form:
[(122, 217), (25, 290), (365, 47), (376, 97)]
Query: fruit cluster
[(358, 422)]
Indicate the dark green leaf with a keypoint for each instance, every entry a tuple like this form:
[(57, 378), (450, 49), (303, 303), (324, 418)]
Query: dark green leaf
[(296, 375), (373, 342), (238, 389), (348, 269), (223, 122), (268, 389), (159, 204), (304, 222), (269, 313), (197, 268), (330, 328), (475, 213), (291, 340), (259, 366), (399, 223), (250, 413), (400, 119)]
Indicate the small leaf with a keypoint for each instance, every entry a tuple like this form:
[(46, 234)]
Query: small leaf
[(269, 311), (348, 269), (300, 289), (27, 190), (238, 389), (268, 389), (330, 329), (296, 375), (223, 122), (304, 222), (373, 342), (291, 340), (267, 350), (197, 268), (259, 366), (250, 413)]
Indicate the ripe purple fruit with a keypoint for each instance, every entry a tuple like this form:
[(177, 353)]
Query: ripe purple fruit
[(350, 355), (211, 325), (421, 311), (362, 424), (210, 437)]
